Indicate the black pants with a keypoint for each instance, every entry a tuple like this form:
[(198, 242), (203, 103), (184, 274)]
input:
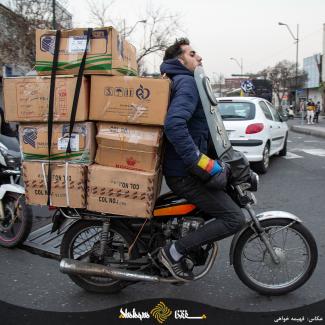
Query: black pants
[(227, 217), (316, 117)]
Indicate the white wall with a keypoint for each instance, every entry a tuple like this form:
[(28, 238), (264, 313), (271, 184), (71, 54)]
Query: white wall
[(315, 95)]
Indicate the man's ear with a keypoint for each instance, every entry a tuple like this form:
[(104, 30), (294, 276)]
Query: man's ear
[(181, 60)]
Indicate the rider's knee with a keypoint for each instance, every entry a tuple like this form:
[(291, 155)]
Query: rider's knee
[(236, 222)]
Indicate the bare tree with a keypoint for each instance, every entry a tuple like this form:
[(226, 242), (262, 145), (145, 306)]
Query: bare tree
[(99, 12), (160, 28), (17, 41), (283, 78)]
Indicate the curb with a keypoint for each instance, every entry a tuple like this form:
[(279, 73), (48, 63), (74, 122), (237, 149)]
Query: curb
[(309, 130)]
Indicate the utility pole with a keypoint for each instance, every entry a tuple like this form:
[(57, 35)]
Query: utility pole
[(296, 38), (125, 34), (239, 64), (54, 18)]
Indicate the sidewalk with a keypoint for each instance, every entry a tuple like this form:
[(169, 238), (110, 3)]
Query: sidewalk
[(317, 129)]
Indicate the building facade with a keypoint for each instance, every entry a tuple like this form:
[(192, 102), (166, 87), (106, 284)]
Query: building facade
[(312, 90)]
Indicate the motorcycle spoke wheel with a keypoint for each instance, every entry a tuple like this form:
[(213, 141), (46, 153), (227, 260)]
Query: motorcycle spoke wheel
[(17, 223), (291, 249), (295, 249), (82, 242), (86, 247)]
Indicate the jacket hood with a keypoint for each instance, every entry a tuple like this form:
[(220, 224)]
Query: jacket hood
[(173, 67)]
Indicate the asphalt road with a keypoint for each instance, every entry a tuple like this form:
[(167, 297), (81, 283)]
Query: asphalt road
[(294, 184)]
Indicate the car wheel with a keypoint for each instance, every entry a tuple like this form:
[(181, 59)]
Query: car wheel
[(283, 152), (262, 166)]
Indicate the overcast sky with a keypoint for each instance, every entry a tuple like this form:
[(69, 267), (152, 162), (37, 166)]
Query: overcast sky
[(247, 29), (220, 29)]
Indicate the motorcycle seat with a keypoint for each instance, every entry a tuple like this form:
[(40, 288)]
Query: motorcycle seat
[(168, 199)]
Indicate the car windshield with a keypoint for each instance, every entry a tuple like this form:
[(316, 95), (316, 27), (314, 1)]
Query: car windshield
[(236, 110)]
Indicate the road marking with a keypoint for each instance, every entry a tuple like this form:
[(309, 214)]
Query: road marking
[(315, 152), (291, 155), (289, 140), (312, 141)]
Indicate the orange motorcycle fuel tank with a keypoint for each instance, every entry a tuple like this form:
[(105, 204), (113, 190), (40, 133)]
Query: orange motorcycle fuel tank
[(169, 204)]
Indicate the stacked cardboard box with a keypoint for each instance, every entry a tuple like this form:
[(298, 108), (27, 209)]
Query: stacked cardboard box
[(132, 100), (33, 138), (121, 191), (126, 179), (68, 184), (128, 146), (129, 112), (107, 52), (26, 100)]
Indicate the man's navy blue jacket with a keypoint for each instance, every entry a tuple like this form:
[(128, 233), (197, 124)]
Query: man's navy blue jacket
[(185, 126)]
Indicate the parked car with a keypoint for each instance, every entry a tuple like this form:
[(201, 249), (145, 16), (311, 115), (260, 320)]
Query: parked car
[(255, 128)]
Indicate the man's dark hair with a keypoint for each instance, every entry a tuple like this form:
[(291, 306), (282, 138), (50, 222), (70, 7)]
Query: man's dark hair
[(175, 50)]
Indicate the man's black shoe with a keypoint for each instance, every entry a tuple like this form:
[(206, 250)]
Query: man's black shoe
[(178, 269)]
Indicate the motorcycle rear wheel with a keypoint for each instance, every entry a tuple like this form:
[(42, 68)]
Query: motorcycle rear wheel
[(17, 224), (295, 247), (80, 242)]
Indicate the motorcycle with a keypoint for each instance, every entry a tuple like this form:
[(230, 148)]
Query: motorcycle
[(15, 215), (273, 254)]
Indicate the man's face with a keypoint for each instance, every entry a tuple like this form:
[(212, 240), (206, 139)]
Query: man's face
[(189, 58)]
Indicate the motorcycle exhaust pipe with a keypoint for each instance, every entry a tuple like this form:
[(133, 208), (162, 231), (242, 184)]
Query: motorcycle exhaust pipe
[(73, 267)]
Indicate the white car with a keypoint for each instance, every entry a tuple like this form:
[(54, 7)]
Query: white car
[(255, 128)]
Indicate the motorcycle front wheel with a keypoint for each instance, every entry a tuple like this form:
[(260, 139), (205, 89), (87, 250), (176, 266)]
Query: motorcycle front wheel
[(82, 242), (295, 248), (16, 223)]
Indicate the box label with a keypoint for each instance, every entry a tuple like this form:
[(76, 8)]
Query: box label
[(77, 44), (142, 93), (74, 142)]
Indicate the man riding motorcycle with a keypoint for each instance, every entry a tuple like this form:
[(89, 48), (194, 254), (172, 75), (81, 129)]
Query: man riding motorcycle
[(189, 171)]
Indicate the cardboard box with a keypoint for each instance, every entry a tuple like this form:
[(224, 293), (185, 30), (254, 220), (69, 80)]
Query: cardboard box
[(72, 193), (33, 140), (107, 53), (132, 100), (26, 99), (122, 192), (129, 146)]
